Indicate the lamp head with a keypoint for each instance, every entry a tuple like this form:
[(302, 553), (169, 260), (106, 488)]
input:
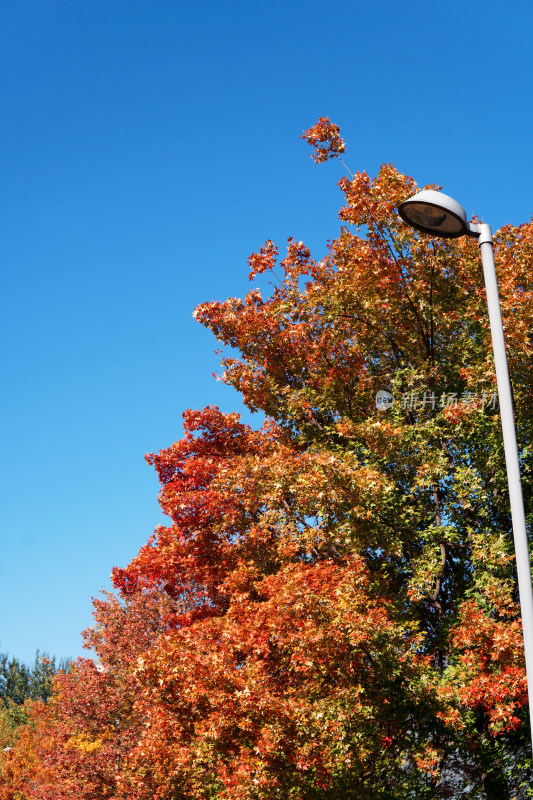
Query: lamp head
[(435, 213)]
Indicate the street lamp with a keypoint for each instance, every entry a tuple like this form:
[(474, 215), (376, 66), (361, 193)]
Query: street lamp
[(437, 214)]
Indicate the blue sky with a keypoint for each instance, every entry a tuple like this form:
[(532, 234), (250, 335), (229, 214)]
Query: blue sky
[(147, 148)]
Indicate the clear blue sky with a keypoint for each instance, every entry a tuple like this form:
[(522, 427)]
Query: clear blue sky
[(147, 147)]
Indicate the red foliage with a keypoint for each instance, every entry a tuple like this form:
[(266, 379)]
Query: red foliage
[(325, 136)]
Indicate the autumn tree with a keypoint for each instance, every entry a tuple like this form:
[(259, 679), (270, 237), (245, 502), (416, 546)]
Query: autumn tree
[(74, 744), (332, 610), (19, 686)]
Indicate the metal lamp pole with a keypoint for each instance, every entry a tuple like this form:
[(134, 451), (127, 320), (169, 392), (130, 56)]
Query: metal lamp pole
[(435, 213)]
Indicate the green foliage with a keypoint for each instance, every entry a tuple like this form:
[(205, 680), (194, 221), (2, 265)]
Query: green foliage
[(18, 682)]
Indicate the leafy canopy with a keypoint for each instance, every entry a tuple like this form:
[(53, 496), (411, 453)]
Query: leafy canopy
[(331, 611)]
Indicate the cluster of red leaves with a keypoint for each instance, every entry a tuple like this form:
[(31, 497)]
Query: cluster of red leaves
[(277, 686), (264, 260), (194, 555), (325, 137), (489, 674)]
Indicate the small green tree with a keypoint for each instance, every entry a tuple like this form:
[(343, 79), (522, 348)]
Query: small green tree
[(14, 680), (18, 682)]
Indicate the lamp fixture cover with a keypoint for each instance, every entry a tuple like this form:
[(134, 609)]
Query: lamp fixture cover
[(435, 213)]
